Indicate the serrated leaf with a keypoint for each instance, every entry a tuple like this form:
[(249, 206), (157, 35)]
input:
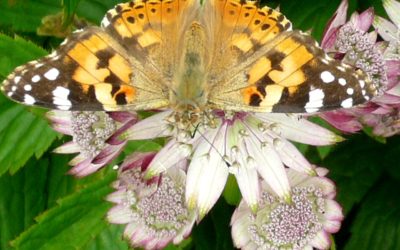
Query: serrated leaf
[(22, 199), (22, 133), (377, 225), (73, 223)]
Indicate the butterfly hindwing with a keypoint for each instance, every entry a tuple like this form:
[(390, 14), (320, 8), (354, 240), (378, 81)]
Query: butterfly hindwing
[(88, 72)]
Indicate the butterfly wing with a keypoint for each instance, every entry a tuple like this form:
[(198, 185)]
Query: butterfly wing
[(275, 69), (109, 68)]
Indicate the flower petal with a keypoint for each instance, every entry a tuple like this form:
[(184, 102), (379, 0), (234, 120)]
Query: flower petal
[(207, 174), (270, 167), (298, 129), (387, 30), (292, 158), (119, 215), (321, 240), (392, 8), (338, 19), (169, 155), (247, 178), (149, 128), (67, 148)]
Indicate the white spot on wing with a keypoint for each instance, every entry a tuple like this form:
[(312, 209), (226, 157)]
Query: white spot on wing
[(28, 87), (342, 81), (28, 99), (105, 23), (362, 83), (60, 98), (350, 91), (315, 101), (13, 88), (348, 103), (52, 74), (35, 78), (9, 94), (17, 79), (327, 77)]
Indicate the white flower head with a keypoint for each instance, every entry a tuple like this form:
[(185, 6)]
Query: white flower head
[(303, 223), (154, 211)]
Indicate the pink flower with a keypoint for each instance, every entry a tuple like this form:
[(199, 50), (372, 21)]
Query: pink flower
[(94, 137), (304, 223), (352, 43), (154, 210)]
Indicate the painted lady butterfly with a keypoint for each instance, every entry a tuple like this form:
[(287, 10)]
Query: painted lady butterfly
[(180, 54)]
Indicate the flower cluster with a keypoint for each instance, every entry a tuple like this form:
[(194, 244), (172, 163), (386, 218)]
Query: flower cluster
[(351, 42)]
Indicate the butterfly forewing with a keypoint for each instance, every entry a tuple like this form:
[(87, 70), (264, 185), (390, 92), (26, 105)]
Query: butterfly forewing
[(252, 62)]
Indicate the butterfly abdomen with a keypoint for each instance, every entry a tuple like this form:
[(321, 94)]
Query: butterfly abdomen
[(189, 87)]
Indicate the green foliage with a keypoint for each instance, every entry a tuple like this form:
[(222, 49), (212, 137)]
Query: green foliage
[(43, 208)]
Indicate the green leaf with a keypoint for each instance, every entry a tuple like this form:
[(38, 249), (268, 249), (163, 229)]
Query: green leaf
[(22, 199), (72, 224), (22, 133), (98, 9), (69, 7), (221, 217), (109, 238), (377, 225), (355, 165), (33, 12), (232, 193)]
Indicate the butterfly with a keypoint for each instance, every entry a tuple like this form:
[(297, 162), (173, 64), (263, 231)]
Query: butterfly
[(186, 55)]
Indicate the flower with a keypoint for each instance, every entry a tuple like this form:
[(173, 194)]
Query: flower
[(352, 43), (154, 210), (94, 136), (247, 145), (303, 223)]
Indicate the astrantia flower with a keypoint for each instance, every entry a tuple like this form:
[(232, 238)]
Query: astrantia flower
[(94, 136), (305, 222), (352, 43), (243, 144), (154, 210)]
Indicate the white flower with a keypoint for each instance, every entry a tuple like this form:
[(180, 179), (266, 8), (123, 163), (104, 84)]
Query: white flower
[(303, 223), (243, 144), (94, 137), (154, 211)]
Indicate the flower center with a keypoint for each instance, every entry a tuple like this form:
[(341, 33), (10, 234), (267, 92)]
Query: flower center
[(288, 225), (362, 53), (90, 130)]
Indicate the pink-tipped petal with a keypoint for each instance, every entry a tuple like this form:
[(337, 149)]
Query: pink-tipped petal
[(149, 128), (321, 240), (169, 155), (119, 215), (342, 120), (334, 211), (338, 19), (67, 148)]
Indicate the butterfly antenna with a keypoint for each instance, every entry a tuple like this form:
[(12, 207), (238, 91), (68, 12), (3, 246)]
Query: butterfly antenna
[(196, 130)]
